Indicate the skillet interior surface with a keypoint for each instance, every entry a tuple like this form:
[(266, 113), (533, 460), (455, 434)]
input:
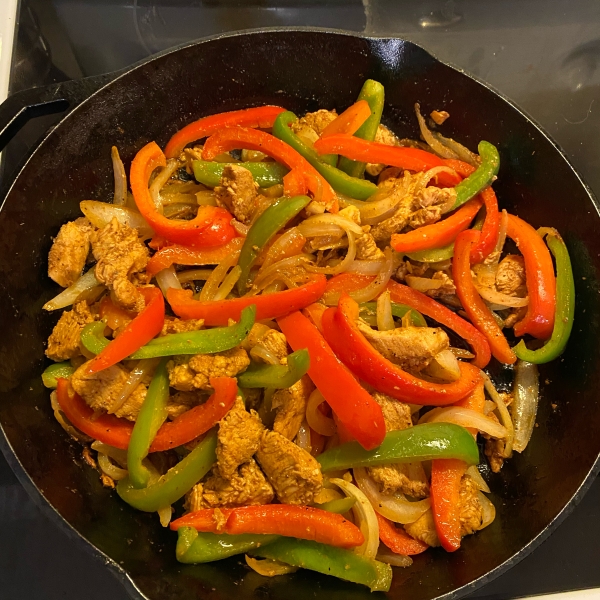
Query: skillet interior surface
[(300, 70)]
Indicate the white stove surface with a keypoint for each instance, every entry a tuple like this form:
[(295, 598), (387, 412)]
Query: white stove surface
[(8, 21)]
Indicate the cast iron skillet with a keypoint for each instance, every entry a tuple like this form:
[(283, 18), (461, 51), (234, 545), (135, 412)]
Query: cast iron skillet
[(301, 70)]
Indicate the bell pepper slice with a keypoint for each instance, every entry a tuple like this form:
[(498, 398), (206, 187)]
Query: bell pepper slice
[(294, 184), (565, 307), (481, 177), (204, 341), (262, 232), (429, 307), (353, 405), (427, 441), (153, 413), (472, 302), (117, 432), (398, 310), (354, 350), (176, 482), (268, 306), (438, 234), (260, 116), (329, 560), (539, 274), (397, 540), (374, 94), (137, 333), (265, 174), (210, 227), (54, 372), (491, 224), (339, 506), (350, 120), (276, 376), (234, 138), (412, 159), (185, 255), (341, 182)]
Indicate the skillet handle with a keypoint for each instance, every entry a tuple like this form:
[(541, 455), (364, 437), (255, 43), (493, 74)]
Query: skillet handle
[(19, 108)]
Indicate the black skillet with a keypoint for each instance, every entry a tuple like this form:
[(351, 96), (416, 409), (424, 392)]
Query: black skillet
[(301, 70)]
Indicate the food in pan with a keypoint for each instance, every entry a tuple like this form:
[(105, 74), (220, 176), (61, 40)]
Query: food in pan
[(277, 339)]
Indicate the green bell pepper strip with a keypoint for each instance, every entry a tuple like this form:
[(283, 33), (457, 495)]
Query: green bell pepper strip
[(152, 415), (374, 93), (204, 341), (341, 182), (263, 230), (276, 376), (482, 177), (194, 548), (56, 371), (176, 482), (565, 308), (418, 443), (329, 560), (265, 174), (340, 506), (398, 310)]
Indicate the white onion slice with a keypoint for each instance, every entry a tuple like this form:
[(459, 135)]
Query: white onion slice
[(165, 514), (365, 518), (423, 284), (309, 229), (396, 560), (120, 196), (161, 178), (302, 438), (67, 297), (343, 265), (194, 275), (230, 280), (263, 354), (385, 319), (329, 219), (101, 214), (219, 272), (525, 403), (466, 417), (504, 414), (444, 366), (366, 267), (167, 279), (475, 475), (109, 469), (269, 568), (498, 298), (435, 144), (315, 418), (395, 507), (488, 510), (141, 369), (118, 455)]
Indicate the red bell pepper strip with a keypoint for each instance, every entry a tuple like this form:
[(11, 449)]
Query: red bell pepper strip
[(474, 306), (261, 116), (438, 234), (412, 159), (397, 540), (294, 184), (184, 255), (491, 225), (541, 283), (210, 227), (351, 403), (350, 120), (233, 138), (204, 520), (268, 306), (428, 306), (354, 350), (117, 432), (114, 316), (315, 313), (138, 332)]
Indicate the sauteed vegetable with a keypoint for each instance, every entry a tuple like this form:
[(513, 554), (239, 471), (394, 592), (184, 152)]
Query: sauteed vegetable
[(277, 339)]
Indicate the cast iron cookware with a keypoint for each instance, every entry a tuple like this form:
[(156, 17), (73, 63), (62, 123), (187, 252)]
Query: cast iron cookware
[(301, 70)]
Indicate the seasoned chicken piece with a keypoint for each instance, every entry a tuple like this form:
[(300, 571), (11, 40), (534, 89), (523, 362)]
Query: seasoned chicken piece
[(294, 474), (516, 314), (494, 450), (238, 438), (102, 389), (313, 123), (366, 247), (396, 414), (510, 276), (389, 173), (424, 529), (188, 373), (174, 325), (238, 193), (412, 348), (425, 216), (383, 136), (351, 213), (447, 287), (434, 196), (63, 342), (69, 252), (120, 254), (273, 341), (290, 404), (181, 402)]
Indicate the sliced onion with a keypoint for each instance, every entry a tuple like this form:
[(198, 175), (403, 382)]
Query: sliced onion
[(206, 198), (394, 507), (194, 275), (276, 269), (444, 366), (423, 284), (461, 151), (435, 144), (466, 417), (505, 417), (315, 418), (118, 455), (71, 294), (230, 280), (498, 298), (396, 560), (283, 247), (461, 353), (488, 510), (366, 267), (141, 369), (381, 205), (303, 437), (480, 482), (525, 403), (167, 279), (364, 516), (261, 353), (240, 227), (269, 568), (343, 265), (330, 220), (165, 514), (101, 214), (216, 277), (501, 233), (310, 230), (163, 176), (64, 423), (385, 319), (107, 467), (120, 176)]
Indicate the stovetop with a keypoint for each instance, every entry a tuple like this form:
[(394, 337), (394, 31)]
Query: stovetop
[(543, 55)]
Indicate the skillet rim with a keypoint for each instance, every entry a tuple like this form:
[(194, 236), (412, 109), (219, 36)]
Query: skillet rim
[(114, 568)]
